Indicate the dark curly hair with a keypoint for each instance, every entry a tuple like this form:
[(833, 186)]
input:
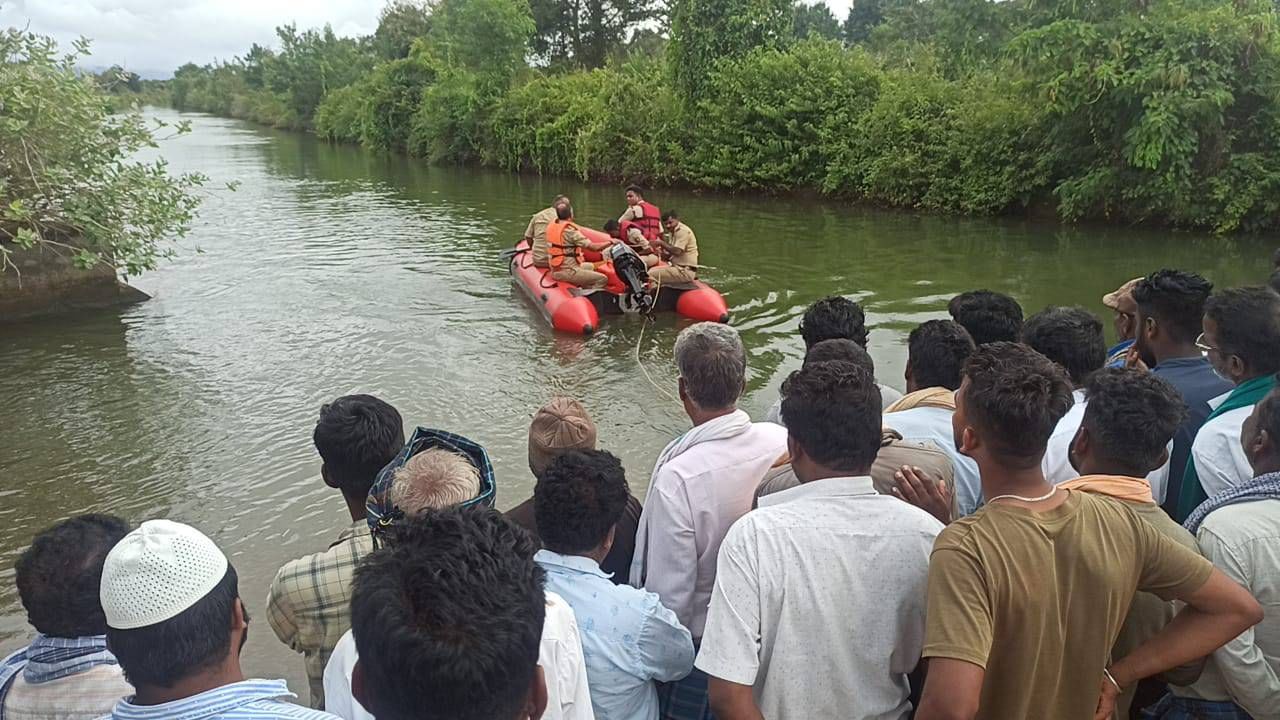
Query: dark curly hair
[(1069, 336), (1175, 299), (58, 576), (936, 352), (988, 316), (841, 350), (1015, 397), (1248, 321), (833, 412), (447, 618), (832, 318), (578, 499), (1131, 417), (356, 436)]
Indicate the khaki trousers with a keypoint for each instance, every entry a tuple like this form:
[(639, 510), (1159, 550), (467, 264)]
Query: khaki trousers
[(584, 276), (673, 274)]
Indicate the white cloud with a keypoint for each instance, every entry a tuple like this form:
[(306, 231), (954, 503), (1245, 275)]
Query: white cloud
[(160, 35)]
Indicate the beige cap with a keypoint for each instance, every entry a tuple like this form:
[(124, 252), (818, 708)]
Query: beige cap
[(1113, 298), (156, 572), (560, 425)]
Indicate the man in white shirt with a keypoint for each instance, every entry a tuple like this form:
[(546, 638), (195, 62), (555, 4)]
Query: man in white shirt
[(1241, 341), (936, 353), (438, 478), (818, 610), (560, 656), (703, 482), (447, 621), (1239, 531)]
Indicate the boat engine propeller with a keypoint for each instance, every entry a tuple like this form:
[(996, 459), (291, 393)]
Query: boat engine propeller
[(633, 273)]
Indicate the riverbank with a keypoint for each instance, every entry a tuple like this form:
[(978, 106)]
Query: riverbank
[(43, 281), (1005, 112)]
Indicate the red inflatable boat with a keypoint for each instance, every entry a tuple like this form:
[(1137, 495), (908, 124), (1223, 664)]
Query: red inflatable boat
[(570, 309)]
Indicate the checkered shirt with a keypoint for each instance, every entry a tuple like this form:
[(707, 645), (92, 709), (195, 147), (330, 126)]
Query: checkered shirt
[(309, 606)]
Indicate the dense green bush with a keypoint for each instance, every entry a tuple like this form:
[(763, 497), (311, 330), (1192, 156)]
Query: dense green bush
[(770, 119), (928, 142), (1171, 115), (68, 177)]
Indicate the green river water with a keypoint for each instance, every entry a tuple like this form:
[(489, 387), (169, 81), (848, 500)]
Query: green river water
[(333, 270)]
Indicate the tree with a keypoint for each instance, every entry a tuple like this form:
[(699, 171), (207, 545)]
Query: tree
[(486, 37), (400, 23), (585, 33), (311, 63), (705, 31), (68, 177), (864, 16), (815, 21)]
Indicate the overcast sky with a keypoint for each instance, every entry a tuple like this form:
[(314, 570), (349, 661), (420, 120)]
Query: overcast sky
[(160, 35)]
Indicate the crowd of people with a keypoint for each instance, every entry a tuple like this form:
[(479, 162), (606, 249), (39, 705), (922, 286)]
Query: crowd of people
[(1039, 527)]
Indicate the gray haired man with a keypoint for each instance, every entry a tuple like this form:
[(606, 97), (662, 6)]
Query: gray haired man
[(703, 481)]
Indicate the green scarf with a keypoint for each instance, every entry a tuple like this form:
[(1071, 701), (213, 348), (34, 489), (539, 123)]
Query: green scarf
[(1245, 394)]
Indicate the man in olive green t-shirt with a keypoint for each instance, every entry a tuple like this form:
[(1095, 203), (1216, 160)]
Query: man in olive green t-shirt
[(1124, 435), (1026, 596)]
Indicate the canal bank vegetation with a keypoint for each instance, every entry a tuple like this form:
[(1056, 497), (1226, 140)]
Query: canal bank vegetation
[(69, 179), (1164, 111)]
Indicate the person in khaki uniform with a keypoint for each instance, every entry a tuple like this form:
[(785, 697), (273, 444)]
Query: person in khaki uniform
[(629, 233), (565, 244), (680, 246), (536, 233)]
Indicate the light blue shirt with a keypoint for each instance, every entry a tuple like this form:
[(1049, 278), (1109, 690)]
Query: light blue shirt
[(247, 700), (629, 638), (934, 424)]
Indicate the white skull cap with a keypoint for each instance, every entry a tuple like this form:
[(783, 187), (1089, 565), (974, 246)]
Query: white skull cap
[(158, 571)]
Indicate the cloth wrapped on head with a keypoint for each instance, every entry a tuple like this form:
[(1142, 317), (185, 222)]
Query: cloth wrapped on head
[(382, 513)]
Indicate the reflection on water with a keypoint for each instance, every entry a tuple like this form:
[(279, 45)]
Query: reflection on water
[(333, 270)]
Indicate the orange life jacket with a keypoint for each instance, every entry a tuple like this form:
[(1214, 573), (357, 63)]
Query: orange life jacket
[(556, 248), (651, 224)]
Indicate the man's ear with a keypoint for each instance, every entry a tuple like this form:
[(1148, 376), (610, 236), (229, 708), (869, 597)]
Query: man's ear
[(1263, 445), (969, 441), (358, 690), (536, 704), (324, 475), (794, 451), (684, 395), (239, 616), (1080, 443)]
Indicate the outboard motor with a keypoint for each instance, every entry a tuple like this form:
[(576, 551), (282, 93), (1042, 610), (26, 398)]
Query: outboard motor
[(633, 273)]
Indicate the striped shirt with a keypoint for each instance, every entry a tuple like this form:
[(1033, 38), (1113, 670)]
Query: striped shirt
[(309, 606), (246, 700)]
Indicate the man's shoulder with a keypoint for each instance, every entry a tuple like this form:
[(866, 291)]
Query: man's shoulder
[(271, 709), (762, 439), (1245, 522), (310, 570)]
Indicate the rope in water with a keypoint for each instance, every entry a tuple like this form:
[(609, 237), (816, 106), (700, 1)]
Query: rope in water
[(648, 319)]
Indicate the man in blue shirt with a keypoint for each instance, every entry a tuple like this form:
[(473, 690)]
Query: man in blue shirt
[(176, 624), (1170, 314), (1121, 301), (630, 639)]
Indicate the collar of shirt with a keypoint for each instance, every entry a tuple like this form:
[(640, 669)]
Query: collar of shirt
[(1181, 362), (356, 529), (1078, 396), (1215, 403), (825, 488), (572, 563), (208, 704)]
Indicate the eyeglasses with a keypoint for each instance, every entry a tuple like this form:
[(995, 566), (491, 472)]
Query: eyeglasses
[(1205, 348)]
